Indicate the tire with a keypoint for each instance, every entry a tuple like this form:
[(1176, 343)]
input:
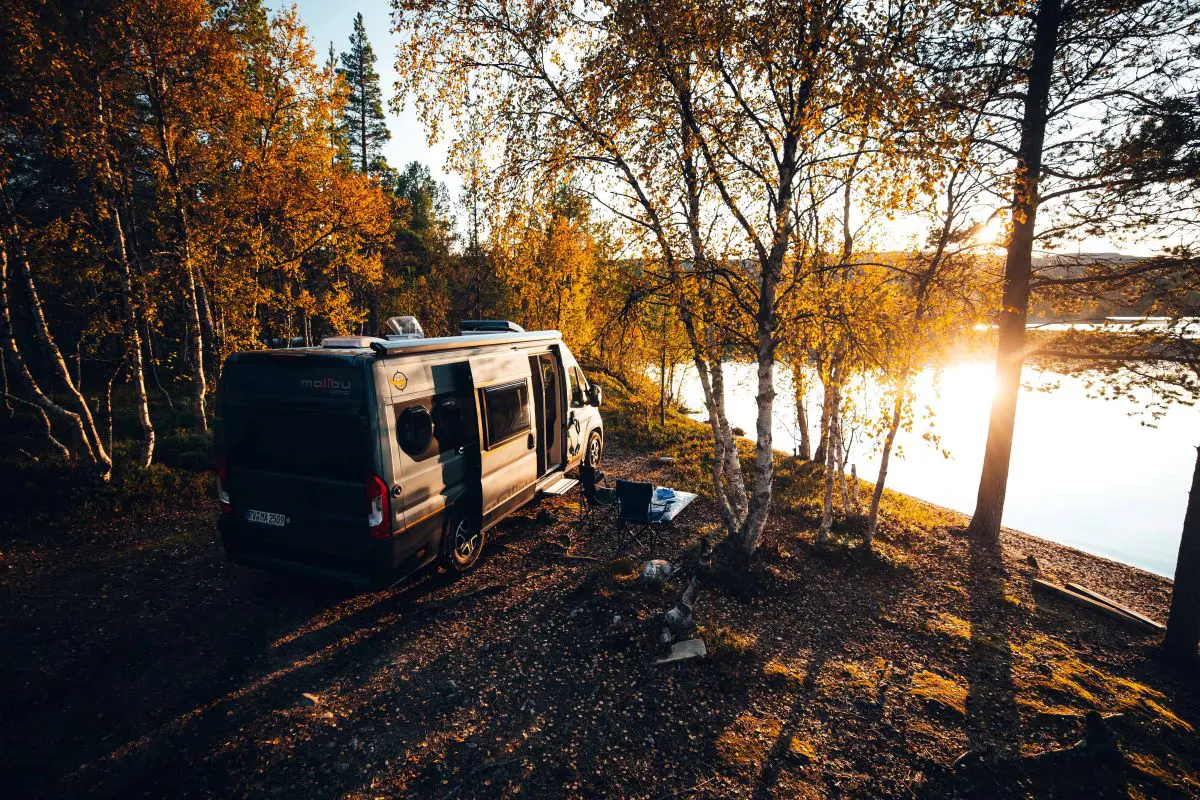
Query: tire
[(595, 450), (462, 542)]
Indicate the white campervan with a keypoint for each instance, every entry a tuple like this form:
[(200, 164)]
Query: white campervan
[(366, 458)]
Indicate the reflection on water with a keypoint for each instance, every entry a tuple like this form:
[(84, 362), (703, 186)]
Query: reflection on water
[(1084, 471)]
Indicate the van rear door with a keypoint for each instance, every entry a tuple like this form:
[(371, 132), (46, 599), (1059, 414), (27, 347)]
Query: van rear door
[(508, 446), (298, 451)]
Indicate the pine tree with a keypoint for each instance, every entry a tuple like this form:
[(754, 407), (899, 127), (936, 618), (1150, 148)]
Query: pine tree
[(363, 123)]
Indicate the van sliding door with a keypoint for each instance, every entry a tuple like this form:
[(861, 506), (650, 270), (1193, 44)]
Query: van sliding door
[(507, 444)]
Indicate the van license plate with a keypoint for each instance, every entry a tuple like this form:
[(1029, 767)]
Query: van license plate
[(266, 518)]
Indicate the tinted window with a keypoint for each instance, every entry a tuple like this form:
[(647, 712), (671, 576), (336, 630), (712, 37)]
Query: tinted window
[(308, 442), (507, 412)]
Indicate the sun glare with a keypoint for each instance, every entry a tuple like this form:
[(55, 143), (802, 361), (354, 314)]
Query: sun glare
[(992, 232)]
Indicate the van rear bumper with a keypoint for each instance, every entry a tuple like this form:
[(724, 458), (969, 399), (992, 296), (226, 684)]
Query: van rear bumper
[(273, 564), (243, 548)]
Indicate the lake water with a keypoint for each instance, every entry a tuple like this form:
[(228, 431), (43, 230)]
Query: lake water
[(1086, 472)]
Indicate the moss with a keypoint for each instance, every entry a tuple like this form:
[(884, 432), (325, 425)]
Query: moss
[(940, 691), (1050, 676), (749, 739), (859, 679), (785, 674), (956, 628), (802, 750), (724, 643)]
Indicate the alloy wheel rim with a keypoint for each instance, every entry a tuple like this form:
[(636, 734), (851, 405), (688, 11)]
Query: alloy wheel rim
[(466, 542)]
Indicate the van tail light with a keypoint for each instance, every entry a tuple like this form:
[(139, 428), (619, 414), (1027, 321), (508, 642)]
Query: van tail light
[(223, 487), (378, 516)]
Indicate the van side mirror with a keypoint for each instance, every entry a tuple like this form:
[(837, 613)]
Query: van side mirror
[(595, 395)]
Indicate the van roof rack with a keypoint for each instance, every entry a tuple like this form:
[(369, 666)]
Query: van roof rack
[(489, 326), (402, 347)]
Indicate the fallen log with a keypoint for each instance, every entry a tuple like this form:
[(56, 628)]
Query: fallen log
[(1108, 601), (1088, 602)]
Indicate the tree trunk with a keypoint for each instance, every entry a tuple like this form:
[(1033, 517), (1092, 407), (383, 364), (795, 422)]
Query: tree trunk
[(99, 457), (833, 403), (855, 502), (199, 382), (877, 493), (728, 486), (1183, 624), (823, 430), (662, 381), (133, 343), (210, 329), (83, 450), (841, 469), (764, 453), (106, 409), (1010, 350), (801, 417)]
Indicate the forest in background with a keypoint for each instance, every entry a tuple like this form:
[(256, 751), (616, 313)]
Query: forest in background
[(182, 180)]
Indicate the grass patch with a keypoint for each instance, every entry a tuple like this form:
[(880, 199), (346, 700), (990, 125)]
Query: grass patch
[(748, 740), (789, 674), (1050, 676), (859, 679), (955, 628), (725, 644), (942, 692)]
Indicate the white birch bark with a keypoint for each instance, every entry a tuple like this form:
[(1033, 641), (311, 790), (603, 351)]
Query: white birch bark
[(798, 388), (841, 468), (877, 493), (97, 454), (84, 450), (833, 398), (133, 342)]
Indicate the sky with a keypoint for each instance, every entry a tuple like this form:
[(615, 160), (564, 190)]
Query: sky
[(328, 21)]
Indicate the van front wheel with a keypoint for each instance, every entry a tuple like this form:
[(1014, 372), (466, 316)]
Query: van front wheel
[(462, 542), (595, 450)]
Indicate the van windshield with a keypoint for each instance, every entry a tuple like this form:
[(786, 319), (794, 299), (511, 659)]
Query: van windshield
[(315, 443)]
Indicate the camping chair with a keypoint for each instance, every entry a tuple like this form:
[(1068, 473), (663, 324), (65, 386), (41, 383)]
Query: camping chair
[(593, 496), (634, 517)]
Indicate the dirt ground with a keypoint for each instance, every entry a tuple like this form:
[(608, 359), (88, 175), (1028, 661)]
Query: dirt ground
[(136, 662)]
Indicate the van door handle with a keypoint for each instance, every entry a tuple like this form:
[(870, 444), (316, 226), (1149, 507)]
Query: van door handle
[(396, 490), (531, 442)]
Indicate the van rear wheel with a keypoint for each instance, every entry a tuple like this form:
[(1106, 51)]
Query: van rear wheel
[(462, 542), (595, 450)]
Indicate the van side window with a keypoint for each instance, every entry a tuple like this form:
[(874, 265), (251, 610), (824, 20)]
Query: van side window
[(507, 412), (579, 386)]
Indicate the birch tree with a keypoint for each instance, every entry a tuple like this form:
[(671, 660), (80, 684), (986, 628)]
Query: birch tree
[(692, 124)]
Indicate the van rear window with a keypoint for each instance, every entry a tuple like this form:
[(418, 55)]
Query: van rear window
[(295, 441)]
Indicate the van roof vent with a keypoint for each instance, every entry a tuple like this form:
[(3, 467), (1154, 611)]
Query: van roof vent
[(405, 327), (348, 342), (490, 326)]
